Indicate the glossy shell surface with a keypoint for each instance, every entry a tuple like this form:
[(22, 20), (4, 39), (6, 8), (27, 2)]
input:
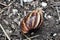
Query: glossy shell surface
[(32, 20)]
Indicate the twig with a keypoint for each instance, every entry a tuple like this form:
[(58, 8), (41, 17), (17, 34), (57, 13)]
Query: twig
[(30, 37), (3, 4), (34, 36), (11, 3), (27, 37), (7, 6), (21, 2), (5, 32), (8, 11), (58, 12), (3, 9)]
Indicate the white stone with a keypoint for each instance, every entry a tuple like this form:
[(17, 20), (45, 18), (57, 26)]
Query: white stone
[(32, 33), (44, 4), (24, 13), (9, 0), (19, 23), (54, 34), (10, 31), (27, 0), (59, 17), (14, 10), (13, 26), (49, 16)]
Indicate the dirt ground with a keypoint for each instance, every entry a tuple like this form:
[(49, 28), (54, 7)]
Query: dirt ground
[(12, 12)]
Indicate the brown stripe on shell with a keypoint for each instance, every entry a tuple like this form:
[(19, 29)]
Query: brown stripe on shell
[(32, 20)]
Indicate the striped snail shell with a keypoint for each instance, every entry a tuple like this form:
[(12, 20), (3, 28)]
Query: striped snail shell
[(32, 21)]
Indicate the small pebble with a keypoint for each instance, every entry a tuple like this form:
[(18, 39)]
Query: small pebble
[(9, 0), (49, 16), (54, 34), (14, 11), (44, 4), (27, 0)]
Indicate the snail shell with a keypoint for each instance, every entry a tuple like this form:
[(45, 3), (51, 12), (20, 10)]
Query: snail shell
[(32, 21)]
